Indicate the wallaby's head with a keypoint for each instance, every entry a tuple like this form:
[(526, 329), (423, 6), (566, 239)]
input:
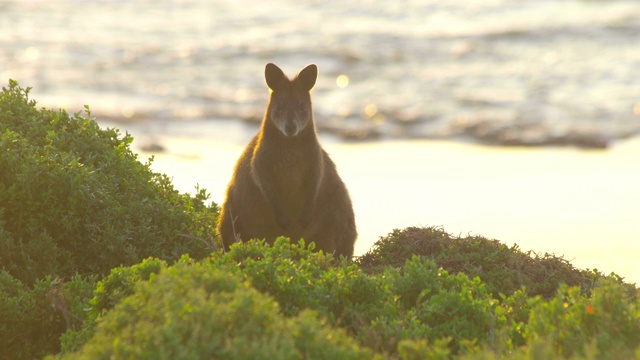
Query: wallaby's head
[(290, 105)]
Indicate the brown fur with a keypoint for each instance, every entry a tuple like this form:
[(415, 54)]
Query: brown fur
[(284, 183)]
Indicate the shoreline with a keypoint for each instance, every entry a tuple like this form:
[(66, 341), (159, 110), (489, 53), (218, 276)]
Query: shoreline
[(581, 204)]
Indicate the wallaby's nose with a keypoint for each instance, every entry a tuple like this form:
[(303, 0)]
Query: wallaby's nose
[(290, 129)]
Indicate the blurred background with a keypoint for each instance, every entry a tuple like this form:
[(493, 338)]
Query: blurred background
[(517, 120), (495, 71)]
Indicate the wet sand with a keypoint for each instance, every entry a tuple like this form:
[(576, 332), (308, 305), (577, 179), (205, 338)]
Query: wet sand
[(582, 204)]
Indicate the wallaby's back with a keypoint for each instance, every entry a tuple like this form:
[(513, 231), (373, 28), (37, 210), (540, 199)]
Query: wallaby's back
[(284, 184)]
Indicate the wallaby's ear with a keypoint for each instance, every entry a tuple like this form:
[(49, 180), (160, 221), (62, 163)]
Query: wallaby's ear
[(307, 77), (274, 76)]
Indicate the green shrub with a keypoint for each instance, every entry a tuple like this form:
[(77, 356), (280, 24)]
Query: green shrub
[(413, 311), (439, 305), (608, 321), (298, 278), (417, 302), (108, 292), (75, 199), (194, 311), (504, 270), (285, 271), (34, 317), (16, 311)]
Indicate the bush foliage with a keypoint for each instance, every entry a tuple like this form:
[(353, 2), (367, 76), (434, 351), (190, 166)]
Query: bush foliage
[(75, 199), (197, 311), (504, 269), (314, 306), (102, 258)]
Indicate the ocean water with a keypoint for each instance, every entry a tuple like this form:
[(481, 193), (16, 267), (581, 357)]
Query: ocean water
[(537, 72)]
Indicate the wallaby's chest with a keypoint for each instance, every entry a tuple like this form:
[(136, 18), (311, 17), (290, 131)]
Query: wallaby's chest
[(290, 173)]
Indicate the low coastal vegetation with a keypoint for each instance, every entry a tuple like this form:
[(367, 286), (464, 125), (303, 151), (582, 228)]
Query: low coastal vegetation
[(100, 257)]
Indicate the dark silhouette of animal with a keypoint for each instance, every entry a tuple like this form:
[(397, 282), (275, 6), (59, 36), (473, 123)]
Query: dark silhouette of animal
[(284, 183)]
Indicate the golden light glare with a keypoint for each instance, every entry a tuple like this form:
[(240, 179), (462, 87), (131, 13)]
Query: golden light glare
[(128, 112), (370, 110), (342, 81), (636, 108)]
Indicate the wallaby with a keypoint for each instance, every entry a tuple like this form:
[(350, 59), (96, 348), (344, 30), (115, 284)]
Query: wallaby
[(284, 183)]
